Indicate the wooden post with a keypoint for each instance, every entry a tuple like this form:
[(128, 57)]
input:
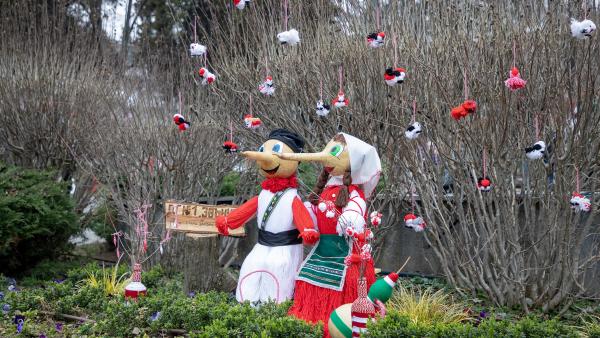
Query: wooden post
[(202, 271)]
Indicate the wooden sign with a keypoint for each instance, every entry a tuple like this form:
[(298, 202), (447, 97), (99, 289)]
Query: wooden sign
[(197, 218)]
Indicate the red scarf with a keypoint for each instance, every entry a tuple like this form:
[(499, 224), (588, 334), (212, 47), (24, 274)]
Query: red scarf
[(276, 184)]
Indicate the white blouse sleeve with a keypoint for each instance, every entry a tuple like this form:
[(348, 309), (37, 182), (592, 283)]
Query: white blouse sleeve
[(353, 214)]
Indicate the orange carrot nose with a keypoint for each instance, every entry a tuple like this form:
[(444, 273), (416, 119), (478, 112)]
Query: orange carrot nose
[(515, 71), (382, 34)]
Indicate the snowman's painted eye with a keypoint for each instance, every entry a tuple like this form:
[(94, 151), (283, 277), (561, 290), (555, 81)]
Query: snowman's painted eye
[(261, 149), (336, 150)]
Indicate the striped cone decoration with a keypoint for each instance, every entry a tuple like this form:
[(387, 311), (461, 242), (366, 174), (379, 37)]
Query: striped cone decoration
[(362, 309)]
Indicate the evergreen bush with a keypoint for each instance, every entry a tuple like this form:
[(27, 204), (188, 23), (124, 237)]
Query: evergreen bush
[(36, 217)]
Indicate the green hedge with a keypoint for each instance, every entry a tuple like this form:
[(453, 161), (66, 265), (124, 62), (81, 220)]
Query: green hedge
[(36, 217), (216, 314), (395, 325), (212, 314)]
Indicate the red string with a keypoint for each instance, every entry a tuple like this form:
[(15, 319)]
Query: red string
[(195, 24), (321, 88), (537, 127), (285, 15), (395, 46), (206, 60), (251, 105), (414, 115), (341, 76), (514, 53), (180, 103), (378, 16), (466, 86), (484, 161), (267, 64), (577, 178), (230, 130), (412, 197)]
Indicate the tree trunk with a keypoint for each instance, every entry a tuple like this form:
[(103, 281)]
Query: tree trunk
[(202, 271)]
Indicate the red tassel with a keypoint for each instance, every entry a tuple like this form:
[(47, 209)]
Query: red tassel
[(470, 106)]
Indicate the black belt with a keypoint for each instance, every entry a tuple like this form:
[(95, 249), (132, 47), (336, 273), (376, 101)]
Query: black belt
[(289, 237)]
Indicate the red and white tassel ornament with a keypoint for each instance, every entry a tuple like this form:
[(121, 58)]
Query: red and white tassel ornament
[(414, 222), (290, 38), (515, 82), (580, 202), (376, 40), (341, 100), (266, 87), (582, 29), (375, 218), (252, 122), (484, 184), (394, 75), (240, 4), (197, 49), (181, 122), (207, 76), (135, 288)]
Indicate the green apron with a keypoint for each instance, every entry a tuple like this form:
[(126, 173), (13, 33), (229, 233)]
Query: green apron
[(325, 266)]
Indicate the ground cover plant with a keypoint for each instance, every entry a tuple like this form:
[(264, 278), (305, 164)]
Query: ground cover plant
[(73, 299)]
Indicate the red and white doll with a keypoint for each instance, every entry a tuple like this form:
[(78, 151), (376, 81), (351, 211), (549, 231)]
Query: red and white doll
[(269, 270), (329, 276)]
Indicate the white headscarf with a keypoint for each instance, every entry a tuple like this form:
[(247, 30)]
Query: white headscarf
[(365, 164)]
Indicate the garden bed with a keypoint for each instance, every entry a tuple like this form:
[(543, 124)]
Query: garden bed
[(89, 301)]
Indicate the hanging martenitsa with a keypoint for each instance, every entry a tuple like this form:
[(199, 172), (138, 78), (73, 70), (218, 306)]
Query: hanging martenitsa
[(341, 100), (287, 37), (240, 4), (414, 129), (266, 87), (578, 201), (250, 121), (229, 146), (377, 38), (411, 220), (180, 121), (205, 74), (394, 75), (468, 106), (583, 29), (196, 49), (514, 82), (322, 108), (136, 288), (538, 149), (483, 183)]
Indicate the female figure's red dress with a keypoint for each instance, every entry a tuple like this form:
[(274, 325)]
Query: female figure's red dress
[(324, 281)]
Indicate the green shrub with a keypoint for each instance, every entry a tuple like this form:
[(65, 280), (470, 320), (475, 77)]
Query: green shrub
[(36, 217), (229, 184), (396, 325)]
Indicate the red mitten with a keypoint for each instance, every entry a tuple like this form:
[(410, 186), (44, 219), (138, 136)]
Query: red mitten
[(309, 236), (221, 224)]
